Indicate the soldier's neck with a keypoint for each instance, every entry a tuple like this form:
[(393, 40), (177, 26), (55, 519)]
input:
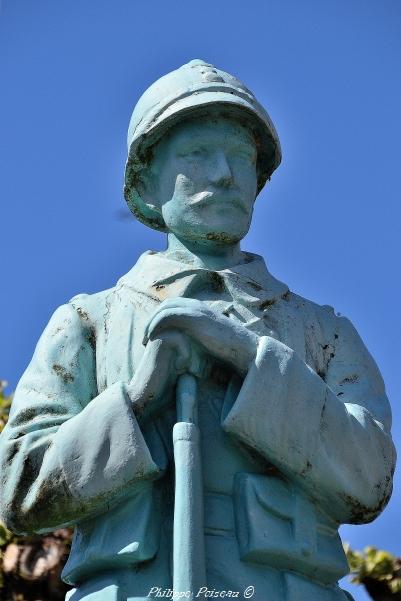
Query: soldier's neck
[(207, 254)]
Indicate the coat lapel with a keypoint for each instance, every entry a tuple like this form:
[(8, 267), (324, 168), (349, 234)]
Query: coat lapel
[(249, 283), (247, 292)]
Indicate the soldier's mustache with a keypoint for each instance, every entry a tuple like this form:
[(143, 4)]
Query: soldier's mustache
[(208, 197)]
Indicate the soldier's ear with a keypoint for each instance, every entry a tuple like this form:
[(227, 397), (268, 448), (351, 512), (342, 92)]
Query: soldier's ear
[(148, 187)]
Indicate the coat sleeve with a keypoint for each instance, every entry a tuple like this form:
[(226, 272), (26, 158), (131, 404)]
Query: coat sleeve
[(330, 436), (67, 452)]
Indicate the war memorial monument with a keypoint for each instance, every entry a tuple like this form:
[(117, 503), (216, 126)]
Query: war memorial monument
[(204, 429)]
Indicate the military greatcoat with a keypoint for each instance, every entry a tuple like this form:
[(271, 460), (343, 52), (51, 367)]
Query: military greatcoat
[(296, 448)]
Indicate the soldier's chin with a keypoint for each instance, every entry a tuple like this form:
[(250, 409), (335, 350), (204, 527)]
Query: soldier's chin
[(212, 231), (218, 233), (221, 235)]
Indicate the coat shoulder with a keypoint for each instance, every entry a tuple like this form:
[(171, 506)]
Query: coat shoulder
[(330, 336), (321, 318), (92, 308), (333, 325)]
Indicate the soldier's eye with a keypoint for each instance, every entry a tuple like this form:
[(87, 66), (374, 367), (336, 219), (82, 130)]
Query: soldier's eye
[(193, 152)]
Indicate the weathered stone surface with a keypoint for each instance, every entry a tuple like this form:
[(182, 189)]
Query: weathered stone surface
[(202, 427)]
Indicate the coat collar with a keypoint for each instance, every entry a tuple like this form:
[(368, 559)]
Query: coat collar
[(249, 282)]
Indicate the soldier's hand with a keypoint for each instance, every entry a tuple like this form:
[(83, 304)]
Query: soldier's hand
[(166, 357), (219, 336)]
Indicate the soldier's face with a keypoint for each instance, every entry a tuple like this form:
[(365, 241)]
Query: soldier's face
[(205, 179)]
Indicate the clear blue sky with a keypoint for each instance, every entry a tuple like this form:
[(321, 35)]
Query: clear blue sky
[(328, 224)]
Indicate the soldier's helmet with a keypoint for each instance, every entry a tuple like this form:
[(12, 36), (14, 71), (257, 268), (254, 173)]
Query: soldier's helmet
[(192, 90)]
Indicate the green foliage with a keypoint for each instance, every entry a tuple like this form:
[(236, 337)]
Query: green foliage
[(5, 403), (5, 535), (377, 570)]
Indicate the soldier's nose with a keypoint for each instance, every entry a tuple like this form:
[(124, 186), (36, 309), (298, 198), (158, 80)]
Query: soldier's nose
[(220, 172)]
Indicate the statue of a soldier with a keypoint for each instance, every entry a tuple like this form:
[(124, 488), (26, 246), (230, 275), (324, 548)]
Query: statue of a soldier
[(289, 423)]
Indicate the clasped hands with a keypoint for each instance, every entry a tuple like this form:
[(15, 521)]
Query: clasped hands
[(183, 336)]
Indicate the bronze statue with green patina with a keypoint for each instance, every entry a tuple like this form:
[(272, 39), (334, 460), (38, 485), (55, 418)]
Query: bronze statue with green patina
[(203, 428)]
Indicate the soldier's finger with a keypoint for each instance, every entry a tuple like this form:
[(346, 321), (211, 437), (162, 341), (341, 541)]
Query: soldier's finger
[(170, 317)]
